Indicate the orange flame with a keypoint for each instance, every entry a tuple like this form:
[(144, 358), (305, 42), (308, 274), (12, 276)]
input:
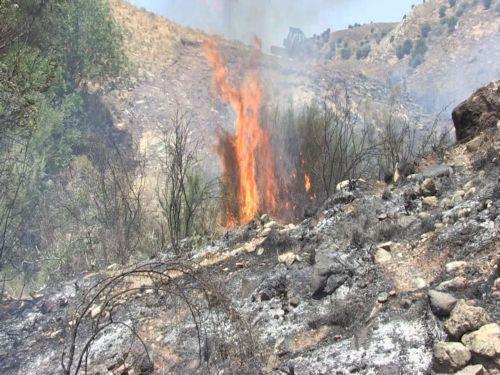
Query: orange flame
[(247, 158), (307, 182)]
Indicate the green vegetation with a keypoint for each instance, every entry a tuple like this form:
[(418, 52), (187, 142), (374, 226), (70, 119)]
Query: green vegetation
[(363, 52), (345, 53), (51, 53), (452, 23), (452, 3), (442, 11), (404, 49), (425, 29), (487, 4)]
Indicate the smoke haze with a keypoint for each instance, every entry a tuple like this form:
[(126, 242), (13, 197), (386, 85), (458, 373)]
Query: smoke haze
[(270, 19)]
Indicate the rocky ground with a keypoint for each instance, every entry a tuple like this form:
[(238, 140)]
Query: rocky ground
[(397, 278)]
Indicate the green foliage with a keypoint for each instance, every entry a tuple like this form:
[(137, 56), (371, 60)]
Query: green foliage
[(363, 52), (49, 52), (487, 4), (425, 29), (497, 8), (442, 11), (452, 3), (404, 49), (345, 53), (452, 23), (83, 39)]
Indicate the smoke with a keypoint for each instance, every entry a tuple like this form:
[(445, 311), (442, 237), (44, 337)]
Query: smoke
[(270, 19)]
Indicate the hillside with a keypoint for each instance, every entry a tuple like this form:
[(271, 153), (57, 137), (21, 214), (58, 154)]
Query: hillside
[(384, 279)]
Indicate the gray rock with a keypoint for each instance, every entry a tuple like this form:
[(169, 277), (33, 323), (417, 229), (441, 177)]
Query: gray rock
[(465, 318), (428, 187), (383, 297), (485, 341), (441, 303), (437, 171), (451, 356), (455, 267), (382, 256), (430, 202), (472, 370)]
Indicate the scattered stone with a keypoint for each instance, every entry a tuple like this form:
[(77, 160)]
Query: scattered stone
[(287, 258), (264, 218), (386, 245), (430, 202), (464, 212), (428, 187), (382, 256), (383, 297), (260, 251), (294, 301), (437, 171), (271, 225), (470, 193), (472, 370), (465, 318), (95, 311), (441, 303), (265, 232), (455, 267), (447, 203), (485, 341), (406, 303), (451, 355), (240, 265), (457, 283), (419, 283)]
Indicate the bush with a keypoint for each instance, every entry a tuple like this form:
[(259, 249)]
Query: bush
[(404, 49), (363, 52), (452, 23), (442, 11), (416, 60), (425, 30), (497, 8), (345, 53), (452, 3), (420, 48), (486, 4)]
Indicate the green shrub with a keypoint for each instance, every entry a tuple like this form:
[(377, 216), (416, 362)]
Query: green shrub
[(442, 11), (363, 52), (345, 53), (416, 60), (425, 29), (452, 23), (487, 4), (452, 3), (420, 48), (497, 8), (404, 49)]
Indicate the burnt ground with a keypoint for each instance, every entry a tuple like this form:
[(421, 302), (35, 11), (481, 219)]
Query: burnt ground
[(344, 291)]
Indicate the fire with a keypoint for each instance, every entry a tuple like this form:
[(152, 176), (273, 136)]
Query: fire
[(307, 182), (249, 178)]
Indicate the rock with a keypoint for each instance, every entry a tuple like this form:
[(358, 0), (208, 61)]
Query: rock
[(264, 218), (451, 355), (430, 202), (287, 258), (260, 251), (472, 370), (271, 225), (455, 267), (382, 256), (95, 311), (386, 245), (479, 112), (419, 283), (447, 203), (383, 297), (457, 283), (465, 318), (265, 232), (441, 303), (485, 341), (294, 301), (437, 171), (470, 193), (428, 187)]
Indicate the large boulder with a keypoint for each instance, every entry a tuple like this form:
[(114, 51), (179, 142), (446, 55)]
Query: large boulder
[(450, 356), (465, 318), (485, 341), (481, 111)]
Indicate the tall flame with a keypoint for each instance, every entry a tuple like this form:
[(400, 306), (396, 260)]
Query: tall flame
[(247, 158)]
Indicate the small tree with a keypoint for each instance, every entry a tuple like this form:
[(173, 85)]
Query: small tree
[(345, 53), (442, 11), (452, 3), (183, 192), (425, 29)]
